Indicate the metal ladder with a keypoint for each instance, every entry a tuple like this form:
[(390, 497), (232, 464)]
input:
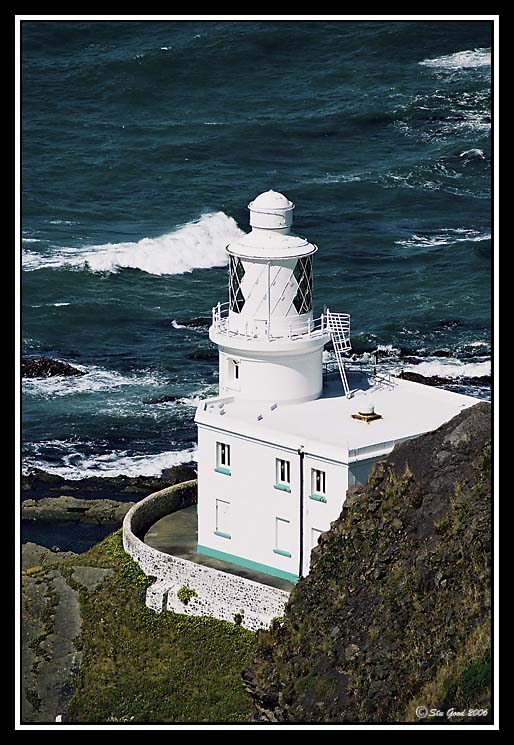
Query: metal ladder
[(338, 325)]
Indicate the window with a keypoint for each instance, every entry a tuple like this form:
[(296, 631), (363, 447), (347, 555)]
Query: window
[(223, 458), (283, 475), (317, 481), (235, 294), (282, 537), (233, 374), (223, 526), (303, 275)]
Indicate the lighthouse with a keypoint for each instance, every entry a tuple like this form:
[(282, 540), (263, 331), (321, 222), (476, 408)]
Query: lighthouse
[(270, 345), (282, 442)]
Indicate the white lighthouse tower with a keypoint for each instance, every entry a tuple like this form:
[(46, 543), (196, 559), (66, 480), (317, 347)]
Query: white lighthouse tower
[(281, 444), (270, 345)]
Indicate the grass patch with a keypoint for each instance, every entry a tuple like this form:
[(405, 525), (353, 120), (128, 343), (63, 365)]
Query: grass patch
[(32, 697), (185, 594), (140, 666), (462, 683)]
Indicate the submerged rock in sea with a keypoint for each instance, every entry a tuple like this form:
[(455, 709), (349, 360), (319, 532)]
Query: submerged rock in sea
[(395, 613), (194, 323), (44, 367)]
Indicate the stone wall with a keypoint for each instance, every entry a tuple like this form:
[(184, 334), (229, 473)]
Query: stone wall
[(216, 593)]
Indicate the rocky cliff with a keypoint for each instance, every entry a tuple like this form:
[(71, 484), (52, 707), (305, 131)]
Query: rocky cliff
[(394, 614)]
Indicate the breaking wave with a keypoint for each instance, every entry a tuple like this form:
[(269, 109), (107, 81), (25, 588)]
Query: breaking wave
[(196, 245), (76, 465), (451, 368), (470, 58), (445, 237), (95, 380)]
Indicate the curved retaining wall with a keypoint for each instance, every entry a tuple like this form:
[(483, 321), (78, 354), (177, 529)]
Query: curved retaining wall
[(218, 594)]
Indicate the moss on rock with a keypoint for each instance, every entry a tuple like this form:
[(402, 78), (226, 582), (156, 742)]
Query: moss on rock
[(397, 589)]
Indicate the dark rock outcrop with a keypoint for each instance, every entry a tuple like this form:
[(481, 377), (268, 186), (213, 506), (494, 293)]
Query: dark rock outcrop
[(165, 399), (395, 612), (417, 378), (204, 355), (437, 380), (34, 555), (71, 509), (38, 484), (47, 368)]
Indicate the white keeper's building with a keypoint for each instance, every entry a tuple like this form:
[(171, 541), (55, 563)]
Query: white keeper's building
[(281, 444)]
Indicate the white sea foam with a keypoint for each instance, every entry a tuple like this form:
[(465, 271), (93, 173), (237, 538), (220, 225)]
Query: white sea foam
[(31, 240), (470, 58), (478, 344), (451, 368), (389, 350), (473, 151), (95, 380), (32, 260), (76, 465), (196, 245), (331, 178), (445, 237), (177, 325), (196, 398)]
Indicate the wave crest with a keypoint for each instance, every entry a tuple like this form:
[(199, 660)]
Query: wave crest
[(76, 465), (459, 60), (446, 237), (451, 369), (196, 245), (95, 380)]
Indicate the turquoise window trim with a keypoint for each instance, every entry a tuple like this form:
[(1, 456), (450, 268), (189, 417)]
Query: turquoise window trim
[(222, 469), (318, 497), (282, 487), (281, 553), (222, 534), (246, 563)]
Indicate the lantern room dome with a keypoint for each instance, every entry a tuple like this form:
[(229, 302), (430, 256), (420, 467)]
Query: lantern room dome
[(271, 211)]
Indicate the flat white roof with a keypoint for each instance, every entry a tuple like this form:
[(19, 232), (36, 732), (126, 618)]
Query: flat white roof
[(325, 427)]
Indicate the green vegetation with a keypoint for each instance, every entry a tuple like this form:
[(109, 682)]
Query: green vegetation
[(462, 683), (185, 594), (395, 613), (140, 666), (32, 697)]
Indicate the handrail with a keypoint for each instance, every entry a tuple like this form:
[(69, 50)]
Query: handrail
[(293, 330)]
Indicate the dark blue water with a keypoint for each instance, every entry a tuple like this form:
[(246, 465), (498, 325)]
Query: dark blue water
[(144, 142)]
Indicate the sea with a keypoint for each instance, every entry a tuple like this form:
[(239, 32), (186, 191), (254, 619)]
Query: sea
[(142, 145)]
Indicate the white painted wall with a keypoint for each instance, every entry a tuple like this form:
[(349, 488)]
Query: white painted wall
[(255, 503), (285, 378), (319, 515), (217, 593)]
